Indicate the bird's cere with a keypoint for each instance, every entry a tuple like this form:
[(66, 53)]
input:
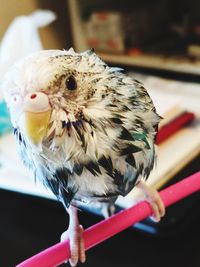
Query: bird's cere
[(36, 102)]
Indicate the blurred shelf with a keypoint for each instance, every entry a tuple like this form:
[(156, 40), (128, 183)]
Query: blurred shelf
[(181, 65), (175, 64)]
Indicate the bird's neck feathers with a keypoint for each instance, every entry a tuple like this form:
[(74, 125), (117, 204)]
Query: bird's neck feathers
[(88, 135)]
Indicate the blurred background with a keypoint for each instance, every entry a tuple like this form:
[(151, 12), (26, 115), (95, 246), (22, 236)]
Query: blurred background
[(134, 28), (157, 42), (55, 35)]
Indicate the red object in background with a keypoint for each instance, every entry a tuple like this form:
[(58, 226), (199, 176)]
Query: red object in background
[(102, 15), (112, 44), (135, 51), (173, 126), (93, 42)]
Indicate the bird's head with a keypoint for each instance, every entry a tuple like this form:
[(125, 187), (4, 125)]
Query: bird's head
[(54, 92)]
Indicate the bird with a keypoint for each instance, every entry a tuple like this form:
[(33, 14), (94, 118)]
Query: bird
[(86, 130)]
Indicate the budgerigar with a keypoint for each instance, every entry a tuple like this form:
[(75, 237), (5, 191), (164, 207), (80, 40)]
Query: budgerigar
[(85, 129)]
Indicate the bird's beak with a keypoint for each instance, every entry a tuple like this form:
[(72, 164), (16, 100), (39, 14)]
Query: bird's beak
[(36, 125), (37, 114)]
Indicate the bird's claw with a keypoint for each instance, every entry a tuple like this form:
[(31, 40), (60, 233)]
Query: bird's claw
[(157, 205), (77, 248), (153, 198)]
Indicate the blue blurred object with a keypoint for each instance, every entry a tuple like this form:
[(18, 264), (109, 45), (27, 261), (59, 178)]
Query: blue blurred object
[(5, 123)]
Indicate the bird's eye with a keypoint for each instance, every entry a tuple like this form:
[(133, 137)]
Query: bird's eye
[(71, 83)]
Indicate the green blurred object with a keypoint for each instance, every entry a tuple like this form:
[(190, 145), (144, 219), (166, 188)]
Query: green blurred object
[(5, 123)]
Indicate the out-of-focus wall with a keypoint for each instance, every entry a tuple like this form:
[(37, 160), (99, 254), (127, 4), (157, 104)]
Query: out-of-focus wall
[(55, 35)]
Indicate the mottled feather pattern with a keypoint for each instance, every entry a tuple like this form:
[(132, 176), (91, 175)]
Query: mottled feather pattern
[(100, 139)]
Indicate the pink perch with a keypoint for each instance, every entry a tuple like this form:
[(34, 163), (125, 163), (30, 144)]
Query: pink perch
[(103, 230)]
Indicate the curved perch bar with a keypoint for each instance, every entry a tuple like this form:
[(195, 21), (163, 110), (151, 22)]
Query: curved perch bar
[(103, 230)]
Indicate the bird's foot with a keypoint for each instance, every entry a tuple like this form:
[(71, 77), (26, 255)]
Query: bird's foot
[(77, 249), (153, 198)]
